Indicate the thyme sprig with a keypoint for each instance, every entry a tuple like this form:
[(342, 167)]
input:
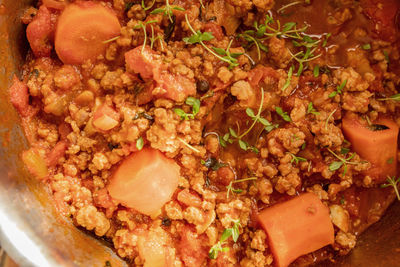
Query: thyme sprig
[(393, 182), (233, 136), (296, 159), (342, 162), (233, 232), (201, 37), (339, 89), (143, 27), (194, 103), (167, 10), (395, 97), (231, 189)]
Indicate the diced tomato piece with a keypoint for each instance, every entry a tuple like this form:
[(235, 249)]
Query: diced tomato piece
[(56, 153), (259, 73), (19, 97), (189, 199), (145, 63), (142, 62), (191, 248), (383, 14), (215, 29), (105, 118), (39, 33), (177, 87)]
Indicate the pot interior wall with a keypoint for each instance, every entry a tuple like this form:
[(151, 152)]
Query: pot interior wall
[(32, 232)]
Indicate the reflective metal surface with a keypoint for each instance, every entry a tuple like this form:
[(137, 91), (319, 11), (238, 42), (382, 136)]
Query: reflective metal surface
[(34, 235), (30, 230)]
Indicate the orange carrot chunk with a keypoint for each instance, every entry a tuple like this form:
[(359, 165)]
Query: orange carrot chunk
[(56, 4), (376, 144), (82, 29), (145, 181), (297, 227)]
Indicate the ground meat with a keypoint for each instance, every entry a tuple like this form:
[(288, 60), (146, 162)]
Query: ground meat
[(92, 219), (203, 87)]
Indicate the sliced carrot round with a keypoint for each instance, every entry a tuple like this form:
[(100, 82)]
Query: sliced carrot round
[(145, 181), (379, 147), (82, 30)]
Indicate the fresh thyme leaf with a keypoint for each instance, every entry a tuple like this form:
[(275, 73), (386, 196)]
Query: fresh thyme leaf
[(194, 103), (226, 234), (198, 37), (250, 113), (395, 97), (342, 162), (344, 150), (283, 114), (385, 53), (393, 182), (366, 46), (325, 42), (243, 145), (139, 143), (303, 146), (219, 51), (181, 113), (289, 78), (311, 109), (167, 10), (235, 231), (335, 165), (230, 188), (316, 71), (339, 89), (233, 132), (296, 159), (158, 10)]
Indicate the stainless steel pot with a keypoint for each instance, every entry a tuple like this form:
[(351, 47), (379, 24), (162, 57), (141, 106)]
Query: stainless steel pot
[(34, 235)]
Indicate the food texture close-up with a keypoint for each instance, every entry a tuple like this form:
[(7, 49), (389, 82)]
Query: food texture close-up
[(214, 132)]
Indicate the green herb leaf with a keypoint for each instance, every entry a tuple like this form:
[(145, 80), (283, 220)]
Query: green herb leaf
[(243, 145), (233, 132), (311, 109), (344, 150), (250, 113), (219, 51), (335, 165), (366, 46), (284, 115), (195, 103), (139, 143), (393, 182), (316, 71), (226, 234), (390, 160), (289, 78)]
